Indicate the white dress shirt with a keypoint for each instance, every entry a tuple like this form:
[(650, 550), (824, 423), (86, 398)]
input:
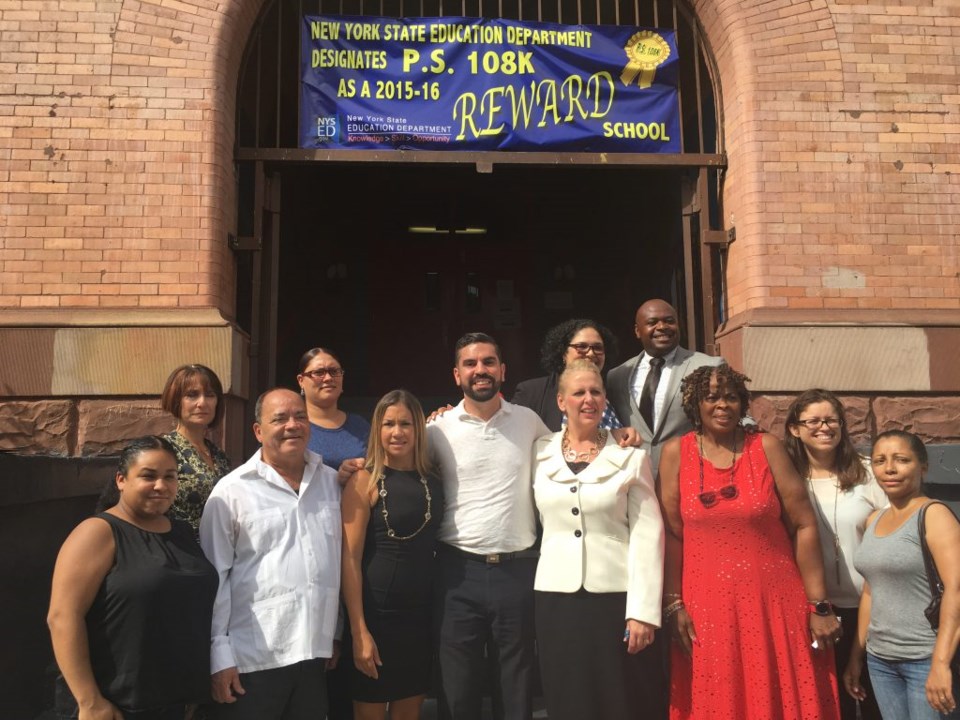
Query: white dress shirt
[(602, 528), (640, 377), (485, 467), (278, 555)]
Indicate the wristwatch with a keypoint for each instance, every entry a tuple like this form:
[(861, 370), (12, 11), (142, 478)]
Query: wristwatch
[(822, 608)]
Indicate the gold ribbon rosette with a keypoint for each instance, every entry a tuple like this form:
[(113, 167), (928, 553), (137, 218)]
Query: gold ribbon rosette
[(646, 50)]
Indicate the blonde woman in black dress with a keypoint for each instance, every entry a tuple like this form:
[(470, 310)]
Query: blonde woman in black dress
[(391, 511)]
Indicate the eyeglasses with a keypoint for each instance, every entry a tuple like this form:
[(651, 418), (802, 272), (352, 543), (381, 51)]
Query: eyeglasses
[(712, 497), (584, 348), (318, 374), (817, 423)]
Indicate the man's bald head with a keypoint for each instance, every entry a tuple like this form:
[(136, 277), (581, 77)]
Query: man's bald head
[(657, 327)]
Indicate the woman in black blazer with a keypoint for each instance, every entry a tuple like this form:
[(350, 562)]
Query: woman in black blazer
[(572, 339)]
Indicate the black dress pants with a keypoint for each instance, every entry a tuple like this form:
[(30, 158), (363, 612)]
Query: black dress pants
[(485, 609), (294, 692)]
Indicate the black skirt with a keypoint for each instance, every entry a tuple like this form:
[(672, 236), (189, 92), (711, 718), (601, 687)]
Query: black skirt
[(584, 664)]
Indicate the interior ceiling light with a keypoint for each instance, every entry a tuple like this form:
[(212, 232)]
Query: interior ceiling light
[(433, 230)]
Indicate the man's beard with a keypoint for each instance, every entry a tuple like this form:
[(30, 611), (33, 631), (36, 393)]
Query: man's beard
[(484, 394)]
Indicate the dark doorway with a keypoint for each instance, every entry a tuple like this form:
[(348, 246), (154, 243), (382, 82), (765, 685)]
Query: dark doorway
[(511, 253)]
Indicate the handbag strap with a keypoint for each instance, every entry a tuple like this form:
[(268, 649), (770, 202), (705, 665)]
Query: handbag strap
[(933, 577)]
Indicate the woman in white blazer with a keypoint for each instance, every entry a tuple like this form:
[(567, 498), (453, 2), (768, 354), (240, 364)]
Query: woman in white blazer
[(600, 576)]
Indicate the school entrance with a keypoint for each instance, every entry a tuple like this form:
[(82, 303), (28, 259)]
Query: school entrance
[(387, 257)]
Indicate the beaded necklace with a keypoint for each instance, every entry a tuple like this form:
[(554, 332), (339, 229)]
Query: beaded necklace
[(381, 482)]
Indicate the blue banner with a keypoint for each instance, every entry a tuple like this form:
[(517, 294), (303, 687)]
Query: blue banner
[(476, 84)]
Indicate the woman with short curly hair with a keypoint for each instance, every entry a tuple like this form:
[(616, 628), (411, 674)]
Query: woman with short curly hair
[(570, 340), (744, 593)]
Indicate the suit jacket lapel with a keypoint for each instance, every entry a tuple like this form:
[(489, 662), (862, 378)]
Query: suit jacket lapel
[(611, 462), (629, 411), (677, 373)]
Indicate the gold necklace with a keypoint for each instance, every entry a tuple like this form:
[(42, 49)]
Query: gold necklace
[(574, 456), (381, 482)]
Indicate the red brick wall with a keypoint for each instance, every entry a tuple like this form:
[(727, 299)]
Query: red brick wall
[(116, 133), (842, 128), (841, 124)]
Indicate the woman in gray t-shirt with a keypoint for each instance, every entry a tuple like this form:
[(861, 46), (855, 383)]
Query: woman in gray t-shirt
[(909, 663)]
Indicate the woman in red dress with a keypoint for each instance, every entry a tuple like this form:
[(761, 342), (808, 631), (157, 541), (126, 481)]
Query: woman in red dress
[(744, 593)]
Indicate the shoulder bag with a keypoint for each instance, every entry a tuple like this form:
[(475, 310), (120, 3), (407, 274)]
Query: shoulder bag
[(932, 611)]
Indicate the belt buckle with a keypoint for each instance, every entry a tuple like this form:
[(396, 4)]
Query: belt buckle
[(493, 559)]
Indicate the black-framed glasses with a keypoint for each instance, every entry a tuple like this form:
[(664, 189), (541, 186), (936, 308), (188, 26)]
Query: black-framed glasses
[(712, 497), (318, 373), (584, 348), (817, 423)]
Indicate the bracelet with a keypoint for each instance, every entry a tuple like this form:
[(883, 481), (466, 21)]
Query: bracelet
[(673, 596), (672, 609), (669, 614)]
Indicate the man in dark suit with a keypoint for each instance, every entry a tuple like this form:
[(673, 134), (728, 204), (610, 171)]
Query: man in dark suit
[(645, 390)]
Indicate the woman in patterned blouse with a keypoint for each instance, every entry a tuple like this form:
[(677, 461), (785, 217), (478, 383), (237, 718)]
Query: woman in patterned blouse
[(194, 396)]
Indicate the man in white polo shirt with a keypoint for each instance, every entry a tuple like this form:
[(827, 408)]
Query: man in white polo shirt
[(483, 450)]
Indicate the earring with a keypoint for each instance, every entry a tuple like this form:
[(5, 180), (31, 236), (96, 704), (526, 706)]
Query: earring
[(302, 392)]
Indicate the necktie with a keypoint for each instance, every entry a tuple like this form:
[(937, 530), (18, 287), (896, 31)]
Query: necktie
[(650, 390)]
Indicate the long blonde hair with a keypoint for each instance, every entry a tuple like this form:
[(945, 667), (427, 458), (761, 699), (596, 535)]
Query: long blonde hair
[(376, 455)]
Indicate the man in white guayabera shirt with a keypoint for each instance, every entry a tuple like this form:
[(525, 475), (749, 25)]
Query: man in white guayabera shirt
[(271, 528)]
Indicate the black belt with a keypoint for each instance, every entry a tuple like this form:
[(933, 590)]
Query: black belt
[(491, 558)]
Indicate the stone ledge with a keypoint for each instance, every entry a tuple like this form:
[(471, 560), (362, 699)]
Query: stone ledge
[(107, 317), (851, 359), (109, 361), (778, 317)]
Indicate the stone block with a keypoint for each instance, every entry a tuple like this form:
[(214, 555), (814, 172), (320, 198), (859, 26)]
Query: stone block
[(859, 420), (770, 411), (105, 426), (37, 427), (933, 419)]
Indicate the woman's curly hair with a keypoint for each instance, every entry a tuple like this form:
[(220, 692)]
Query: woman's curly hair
[(557, 339), (696, 386)]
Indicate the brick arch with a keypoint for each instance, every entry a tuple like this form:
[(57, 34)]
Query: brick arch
[(780, 67), (167, 100)]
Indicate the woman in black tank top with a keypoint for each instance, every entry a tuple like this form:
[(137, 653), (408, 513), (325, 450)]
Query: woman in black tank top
[(132, 599)]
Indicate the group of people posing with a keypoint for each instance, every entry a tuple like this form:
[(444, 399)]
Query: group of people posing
[(662, 554)]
